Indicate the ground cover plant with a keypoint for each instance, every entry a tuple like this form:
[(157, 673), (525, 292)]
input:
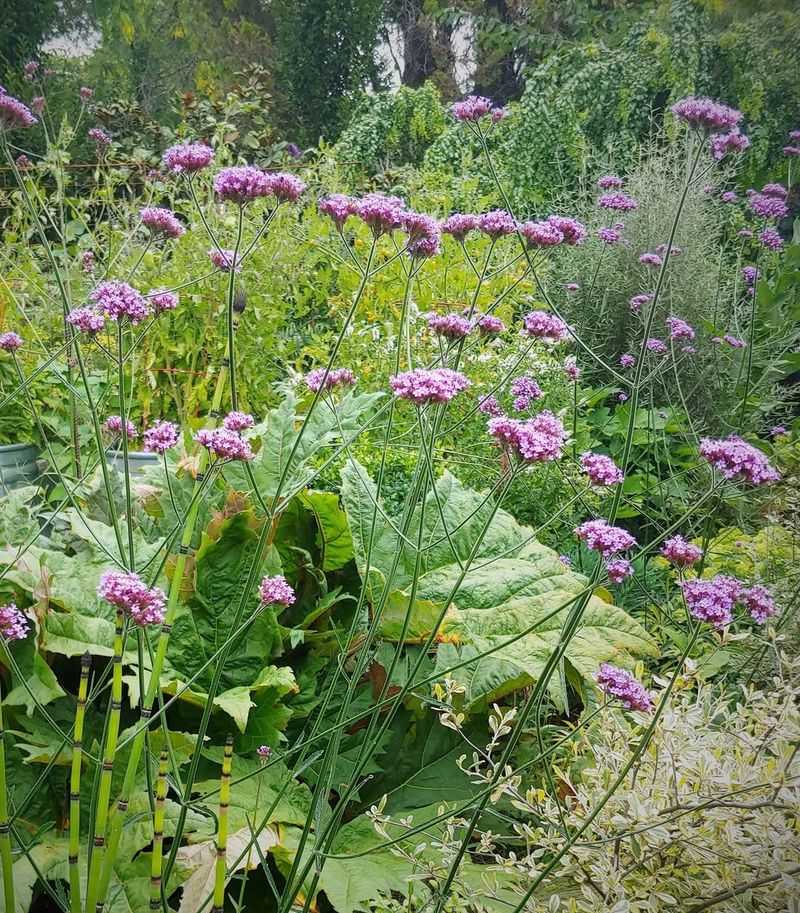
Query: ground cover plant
[(460, 572)]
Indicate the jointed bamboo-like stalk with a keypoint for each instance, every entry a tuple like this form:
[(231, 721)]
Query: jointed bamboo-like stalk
[(157, 858), (222, 833), (75, 789), (6, 859)]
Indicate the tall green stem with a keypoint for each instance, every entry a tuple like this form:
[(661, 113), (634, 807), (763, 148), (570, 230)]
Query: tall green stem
[(157, 856), (6, 859), (221, 867), (75, 789)]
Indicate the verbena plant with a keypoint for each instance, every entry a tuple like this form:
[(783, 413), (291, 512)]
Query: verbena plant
[(257, 654)]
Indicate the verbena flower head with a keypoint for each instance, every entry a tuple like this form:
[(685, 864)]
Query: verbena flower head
[(627, 360), (767, 206), (489, 325), (541, 234), (161, 221), (497, 223), (525, 391), (10, 341), (565, 560), (130, 594), (381, 213), (791, 150), (490, 406), (759, 603), (316, 380), (610, 182), (745, 233), (435, 385), (87, 261), (118, 300), (264, 752), (22, 162), (286, 188), (609, 236), (338, 206), (421, 248), (188, 157), (620, 685), (571, 368), (736, 459), (162, 300), (618, 202), (160, 437), (601, 469), (750, 274), (705, 114), (537, 440), (14, 114), (30, 70), (238, 421), (38, 103), (777, 431), (276, 591), (572, 287), (770, 239), (650, 259), (224, 259), (722, 144), (730, 196), (622, 397), (451, 326), (113, 425), (420, 225), (498, 114), (574, 232), (99, 137), (224, 443), (657, 346), (459, 225), (85, 93), (680, 552), (472, 108), (13, 624), (712, 600), (618, 569), (679, 329), (241, 184), (87, 320), (601, 537), (637, 301), (734, 342), (775, 190), (673, 251), (546, 326)]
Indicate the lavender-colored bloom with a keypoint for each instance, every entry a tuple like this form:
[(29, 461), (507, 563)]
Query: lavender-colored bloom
[(420, 225), (160, 437), (600, 536), (497, 223), (451, 326), (286, 188), (689, 350), (541, 234), (571, 368), (472, 108), (610, 182), (381, 213), (85, 93), (750, 274), (225, 444), (490, 406), (538, 440), (489, 325), (546, 326), (241, 184), (638, 300), (37, 104), (276, 591), (679, 329), (673, 251), (574, 231), (680, 552), (22, 162), (730, 196), (572, 287), (118, 300), (794, 135), (338, 377), (87, 261), (30, 70), (618, 569), (620, 685), (264, 752), (734, 342), (113, 425), (87, 320), (706, 114), (421, 386), (650, 259), (791, 150), (736, 459), (770, 238), (162, 300), (775, 190), (766, 206), (189, 157), (619, 202), (459, 225), (759, 603), (14, 114), (224, 259), (339, 207), (601, 469), (426, 246), (100, 138), (627, 360), (622, 397), (129, 593), (777, 431), (498, 114), (723, 143), (10, 342), (712, 600), (609, 236), (161, 221), (657, 346), (565, 560), (238, 421), (13, 624), (745, 233), (526, 391)]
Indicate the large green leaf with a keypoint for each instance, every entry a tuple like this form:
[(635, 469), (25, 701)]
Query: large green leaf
[(333, 534)]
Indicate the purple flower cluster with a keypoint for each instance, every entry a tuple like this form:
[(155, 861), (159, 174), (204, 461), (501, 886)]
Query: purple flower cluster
[(490, 406), (160, 437), (767, 206), (706, 114), (99, 137), (451, 326), (571, 368), (13, 113), (759, 603), (712, 600), (238, 421), (489, 325), (87, 320), (13, 624), (162, 300), (10, 341), (339, 207), (422, 385), (679, 329), (770, 239), (541, 234), (23, 162), (657, 346), (609, 236), (189, 157), (87, 261), (601, 469), (620, 685), (286, 188), (538, 439), (161, 221), (85, 93), (619, 202), (627, 360), (129, 593), (619, 569), (574, 232), (730, 196), (637, 301), (526, 391), (723, 143), (224, 443), (546, 326), (241, 184), (750, 274), (424, 234), (276, 591), (337, 377), (474, 107), (680, 552), (600, 536), (497, 223), (459, 225), (223, 259), (381, 213), (113, 425), (736, 459), (117, 300), (610, 182), (650, 259)]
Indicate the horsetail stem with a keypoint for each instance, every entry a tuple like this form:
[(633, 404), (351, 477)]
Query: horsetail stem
[(5, 836), (94, 900), (222, 832), (75, 788), (157, 858)]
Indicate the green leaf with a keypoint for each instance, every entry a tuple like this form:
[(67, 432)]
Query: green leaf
[(333, 533), (71, 634), (42, 684)]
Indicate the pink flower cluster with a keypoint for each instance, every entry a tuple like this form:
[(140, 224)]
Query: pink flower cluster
[(497, 223), (160, 437), (620, 685), (238, 421), (736, 459), (679, 329), (316, 380), (224, 443), (489, 406), (619, 202), (99, 137), (451, 326), (627, 360), (541, 234), (637, 301), (537, 440), (546, 326), (657, 346), (162, 300), (571, 368), (574, 232), (601, 469), (130, 594), (525, 390), (87, 320), (459, 225), (759, 603), (650, 259), (10, 342), (489, 325), (770, 239), (115, 300), (87, 261), (13, 113), (618, 569), (767, 205), (161, 221), (723, 143), (339, 207), (611, 235), (680, 552), (223, 259), (424, 234), (705, 114), (113, 425), (474, 107), (600, 536), (188, 157), (714, 600), (381, 213), (13, 624), (610, 182), (276, 591), (422, 385)]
